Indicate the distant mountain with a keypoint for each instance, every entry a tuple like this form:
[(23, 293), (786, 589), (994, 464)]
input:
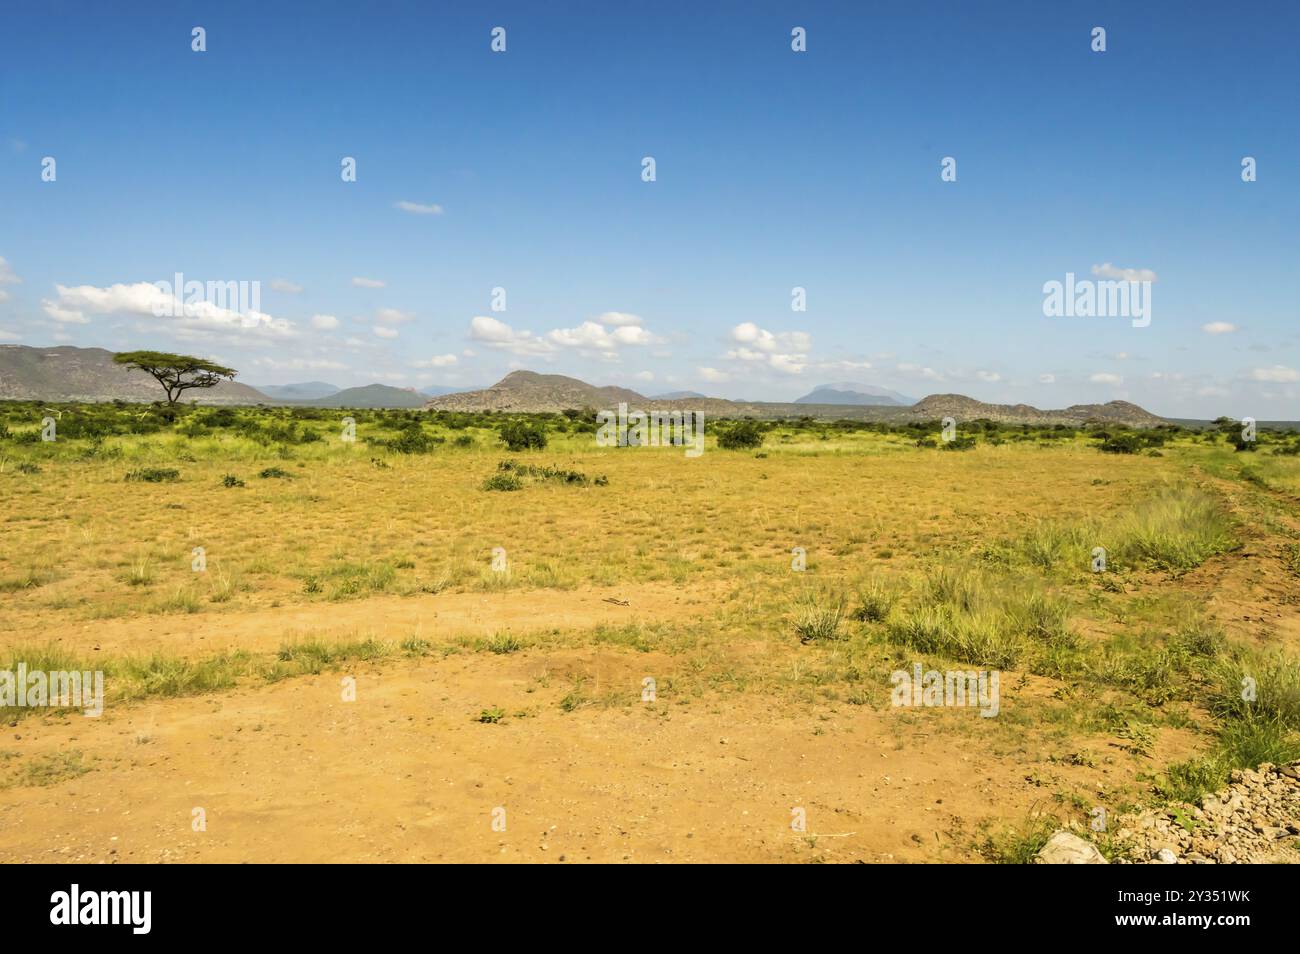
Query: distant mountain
[(306, 391), (529, 391), (676, 396), (372, 395), (89, 374), (851, 393)]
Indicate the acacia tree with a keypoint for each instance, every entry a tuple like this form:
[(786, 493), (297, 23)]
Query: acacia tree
[(177, 373)]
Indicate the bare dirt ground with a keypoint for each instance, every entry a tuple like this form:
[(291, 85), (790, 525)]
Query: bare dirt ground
[(289, 772), (383, 618)]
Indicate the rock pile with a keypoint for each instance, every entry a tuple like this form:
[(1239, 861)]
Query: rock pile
[(1255, 820)]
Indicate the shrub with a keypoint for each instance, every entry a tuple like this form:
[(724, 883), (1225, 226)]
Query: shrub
[(1120, 444), (745, 435), (503, 481), (413, 440), (230, 480), (523, 435), (276, 473), (154, 475)]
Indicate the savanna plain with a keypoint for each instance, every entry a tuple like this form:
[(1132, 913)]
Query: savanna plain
[(482, 637)]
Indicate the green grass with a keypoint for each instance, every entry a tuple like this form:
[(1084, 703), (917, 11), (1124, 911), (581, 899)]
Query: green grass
[(1176, 530), (1241, 744), (29, 579), (874, 601), (819, 615), (1018, 846), (974, 616), (40, 770), (1272, 678)]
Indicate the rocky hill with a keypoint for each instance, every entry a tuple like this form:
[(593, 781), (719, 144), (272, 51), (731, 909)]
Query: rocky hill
[(962, 408), (528, 391)]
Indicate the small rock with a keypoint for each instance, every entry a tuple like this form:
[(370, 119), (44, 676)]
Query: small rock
[(1064, 848)]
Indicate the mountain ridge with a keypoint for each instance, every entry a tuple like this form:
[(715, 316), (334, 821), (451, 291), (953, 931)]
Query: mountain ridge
[(530, 392)]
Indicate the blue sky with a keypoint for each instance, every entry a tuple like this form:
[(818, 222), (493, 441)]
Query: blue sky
[(774, 169)]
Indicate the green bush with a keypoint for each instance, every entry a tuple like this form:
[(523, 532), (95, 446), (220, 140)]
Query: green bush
[(503, 481), (1121, 444), (745, 435), (523, 435), (154, 475)]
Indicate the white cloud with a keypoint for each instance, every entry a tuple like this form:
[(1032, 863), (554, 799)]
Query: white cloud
[(1047, 379), (1107, 270), (437, 361), (748, 333), (4, 295), (391, 316), (7, 335), (368, 283), (1219, 328), (618, 319), (286, 286), (644, 375), (601, 338), (988, 376), (7, 276), (590, 336), (324, 322), (384, 332), (192, 319), (1105, 377), (713, 375), (497, 334), (1276, 374), (416, 208), (67, 316), (786, 352)]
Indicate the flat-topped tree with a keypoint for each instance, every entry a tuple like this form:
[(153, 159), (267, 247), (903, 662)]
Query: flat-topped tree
[(177, 373)]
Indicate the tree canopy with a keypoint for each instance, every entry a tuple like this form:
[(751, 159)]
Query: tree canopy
[(177, 373)]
